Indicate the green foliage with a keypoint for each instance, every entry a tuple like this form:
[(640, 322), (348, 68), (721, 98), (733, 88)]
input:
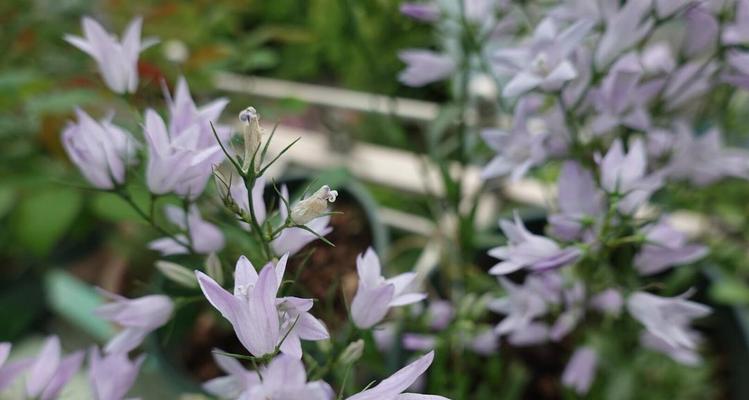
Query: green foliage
[(44, 216)]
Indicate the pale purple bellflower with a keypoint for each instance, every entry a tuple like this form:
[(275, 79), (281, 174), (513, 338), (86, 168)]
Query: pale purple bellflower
[(117, 60), (101, 150), (49, 372), (138, 317), (375, 295), (424, 67), (581, 204), (580, 370), (393, 387), (204, 237), (665, 247), (112, 375), (667, 318)]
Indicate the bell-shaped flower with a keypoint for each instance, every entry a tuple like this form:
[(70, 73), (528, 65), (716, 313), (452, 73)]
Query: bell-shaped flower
[(117, 60), (285, 378), (111, 376), (204, 237), (188, 119), (624, 28), (580, 202), (625, 175), (101, 150), (520, 148), (580, 370), (50, 371), (521, 306), (665, 247), (703, 159), (526, 250), (291, 240), (231, 386), (393, 387), (138, 317), (667, 318), (375, 295), (424, 67), (260, 320), (177, 163), (544, 61)]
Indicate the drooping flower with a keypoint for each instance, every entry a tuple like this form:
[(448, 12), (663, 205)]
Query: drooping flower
[(544, 61), (666, 247), (291, 240), (231, 386), (117, 60), (392, 387), (521, 306), (625, 174), (111, 376), (50, 371), (581, 370), (138, 317), (667, 318), (526, 250), (375, 295), (101, 150), (204, 237), (260, 320), (424, 67), (580, 204), (425, 12)]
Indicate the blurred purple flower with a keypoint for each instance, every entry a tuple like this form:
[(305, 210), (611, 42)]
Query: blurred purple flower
[(138, 317), (703, 159), (117, 60), (231, 386), (666, 247), (291, 240), (375, 295), (425, 12), (620, 99), (285, 378), (526, 250), (112, 375), (667, 318), (609, 301), (702, 28), (204, 237), (581, 370), (625, 174), (392, 387), (11, 370), (544, 61), (419, 342), (521, 306), (689, 81), (581, 204), (484, 343), (440, 313), (424, 67), (737, 33), (533, 334), (50, 372), (101, 150), (681, 355), (624, 28), (574, 298)]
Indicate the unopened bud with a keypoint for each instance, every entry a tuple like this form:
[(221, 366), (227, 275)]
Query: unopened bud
[(177, 274), (353, 352), (213, 268), (314, 206), (252, 132)]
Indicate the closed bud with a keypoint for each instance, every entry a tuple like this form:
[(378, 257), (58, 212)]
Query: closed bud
[(252, 133), (177, 274), (213, 268), (314, 206), (353, 352)]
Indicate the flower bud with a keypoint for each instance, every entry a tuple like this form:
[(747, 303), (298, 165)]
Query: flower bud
[(177, 274), (314, 206), (353, 352), (252, 133), (213, 268)]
